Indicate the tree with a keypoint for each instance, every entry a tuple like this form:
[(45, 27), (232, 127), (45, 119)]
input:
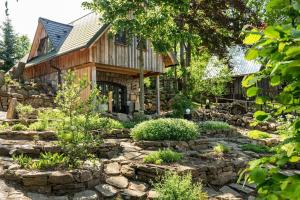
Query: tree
[(187, 25), (277, 48), (12, 46), (7, 45)]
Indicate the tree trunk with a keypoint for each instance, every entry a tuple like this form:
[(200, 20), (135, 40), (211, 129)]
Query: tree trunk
[(142, 91), (175, 69), (182, 64)]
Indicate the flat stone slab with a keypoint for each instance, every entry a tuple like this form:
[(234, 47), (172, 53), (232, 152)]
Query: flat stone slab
[(138, 186), (61, 177), (112, 168), (228, 191), (133, 194), (106, 190), (117, 181), (86, 195), (241, 188)]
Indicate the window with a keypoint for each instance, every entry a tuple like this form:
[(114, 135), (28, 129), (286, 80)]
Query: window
[(44, 46), (121, 38), (141, 43)]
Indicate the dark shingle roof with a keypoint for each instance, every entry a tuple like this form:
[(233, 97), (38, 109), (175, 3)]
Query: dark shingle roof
[(57, 32), (82, 33)]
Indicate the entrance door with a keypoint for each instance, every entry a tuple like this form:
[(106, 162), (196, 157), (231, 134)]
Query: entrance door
[(119, 95)]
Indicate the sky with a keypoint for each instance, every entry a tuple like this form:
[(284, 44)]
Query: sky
[(24, 14)]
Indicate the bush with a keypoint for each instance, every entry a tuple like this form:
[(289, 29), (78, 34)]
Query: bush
[(19, 127), (258, 135), (95, 122), (175, 187), (4, 126), (163, 156), (46, 161), (180, 104), (214, 126), (165, 129), (37, 126), (24, 110), (221, 148), (256, 148), (137, 118)]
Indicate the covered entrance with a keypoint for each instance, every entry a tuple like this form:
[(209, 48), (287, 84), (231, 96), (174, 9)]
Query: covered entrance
[(118, 94)]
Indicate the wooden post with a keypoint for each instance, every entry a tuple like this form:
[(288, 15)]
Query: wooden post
[(110, 101), (93, 76), (142, 91), (157, 95), (11, 111)]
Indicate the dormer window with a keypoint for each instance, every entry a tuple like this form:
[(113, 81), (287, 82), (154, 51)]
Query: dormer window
[(141, 43), (44, 46), (121, 38)]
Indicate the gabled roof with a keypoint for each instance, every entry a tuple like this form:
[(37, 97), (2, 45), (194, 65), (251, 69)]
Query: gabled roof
[(82, 33), (57, 32)]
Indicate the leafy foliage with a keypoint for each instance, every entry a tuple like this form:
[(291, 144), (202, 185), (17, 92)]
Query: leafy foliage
[(19, 127), (74, 131), (256, 148), (214, 126), (277, 48), (221, 148), (163, 156), (24, 111), (37, 126), (179, 104), (255, 134), (173, 186), (46, 161), (4, 126), (165, 129)]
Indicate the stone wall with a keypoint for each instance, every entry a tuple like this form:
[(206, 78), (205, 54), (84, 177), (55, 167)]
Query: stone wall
[(36, 95), (236, 120)]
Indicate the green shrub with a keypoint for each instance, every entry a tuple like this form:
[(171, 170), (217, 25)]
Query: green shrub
[(258, 135), (51, 117), (214, 126), (4, 126), (24, 110), (221, 148), (175, 187), (19, 127), (38, 126), (46, 161), (137, 118), (23, 160), (95, 122), (165, 129), (50, 161), (163, 156), (256, 148), (179, 104)]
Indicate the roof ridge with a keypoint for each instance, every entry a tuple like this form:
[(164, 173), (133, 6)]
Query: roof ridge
[(80, 17), (42, 18)]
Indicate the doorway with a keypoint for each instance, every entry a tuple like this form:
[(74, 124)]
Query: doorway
[(119, 95)]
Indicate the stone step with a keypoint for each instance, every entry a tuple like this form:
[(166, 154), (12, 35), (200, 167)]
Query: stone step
[(28, 135), (241, 188), (108, 149)]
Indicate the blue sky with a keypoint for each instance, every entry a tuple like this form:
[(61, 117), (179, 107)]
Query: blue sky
[(25, 13)]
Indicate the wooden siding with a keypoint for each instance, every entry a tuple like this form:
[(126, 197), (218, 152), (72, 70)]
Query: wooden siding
[(64, 62), (40, 33), (82, 72), (106, 51)]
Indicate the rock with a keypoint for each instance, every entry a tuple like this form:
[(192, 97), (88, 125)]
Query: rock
[(86, 195), (229, 191), (112, 169), (11, 112), (122, 117), (210, 192), (36, 196), (61, 178), (132, 194), (35, 179), (58, 198), (118, 181), (82, 175), (106, 190), (138, 186), (127, 171), (241, 188), (152, 194)]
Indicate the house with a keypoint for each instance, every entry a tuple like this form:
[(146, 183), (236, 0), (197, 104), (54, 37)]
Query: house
[(86, 46)]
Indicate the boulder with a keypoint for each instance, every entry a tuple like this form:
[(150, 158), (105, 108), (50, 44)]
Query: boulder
[(138, 186), (133, 194), (117, 181), (106, 190), (112, 168)]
